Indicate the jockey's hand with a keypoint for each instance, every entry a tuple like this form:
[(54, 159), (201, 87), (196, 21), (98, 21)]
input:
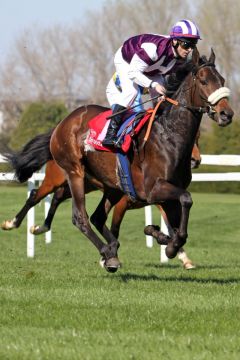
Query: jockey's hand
[(160, 89)]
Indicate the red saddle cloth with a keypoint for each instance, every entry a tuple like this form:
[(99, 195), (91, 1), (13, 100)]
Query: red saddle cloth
[(98, 128)]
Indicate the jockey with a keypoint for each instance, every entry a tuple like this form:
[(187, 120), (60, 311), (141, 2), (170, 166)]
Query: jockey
[(142, 62)]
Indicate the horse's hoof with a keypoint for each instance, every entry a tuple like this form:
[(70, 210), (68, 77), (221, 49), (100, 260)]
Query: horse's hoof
[(189, 266), (7, 225), (149, 229), (111, 269), (34, 230), (171, 251), (112, 264), (37, 230)]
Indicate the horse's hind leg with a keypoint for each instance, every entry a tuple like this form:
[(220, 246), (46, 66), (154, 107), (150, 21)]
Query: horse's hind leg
[(35, 197), (17, 220), (54, 177), (60, 195), (99, 217), (80, 219)]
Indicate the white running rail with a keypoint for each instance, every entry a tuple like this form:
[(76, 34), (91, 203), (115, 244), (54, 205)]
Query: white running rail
[(225, 160)]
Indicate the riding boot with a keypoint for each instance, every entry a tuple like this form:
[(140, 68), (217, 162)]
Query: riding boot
[(114, 125)]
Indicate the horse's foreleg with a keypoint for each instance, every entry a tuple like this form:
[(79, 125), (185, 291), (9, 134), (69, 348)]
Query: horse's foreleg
[(187, 263), (179, 223), (176, 203), (182, 255), (154, 231)]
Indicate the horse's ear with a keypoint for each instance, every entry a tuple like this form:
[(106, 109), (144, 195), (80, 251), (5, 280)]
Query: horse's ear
[(212, 57), (195, 56)]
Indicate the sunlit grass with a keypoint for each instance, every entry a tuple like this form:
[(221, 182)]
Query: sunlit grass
[(62, 305)]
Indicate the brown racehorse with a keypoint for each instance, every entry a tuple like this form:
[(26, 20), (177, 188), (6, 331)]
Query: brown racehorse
[(160, 169), (201, 91), (55, 181)]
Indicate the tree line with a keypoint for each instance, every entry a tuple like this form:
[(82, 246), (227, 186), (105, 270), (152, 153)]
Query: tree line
[(65, 66)]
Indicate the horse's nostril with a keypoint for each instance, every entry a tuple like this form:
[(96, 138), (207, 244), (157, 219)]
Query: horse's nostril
[(226, 114), (195, 163)]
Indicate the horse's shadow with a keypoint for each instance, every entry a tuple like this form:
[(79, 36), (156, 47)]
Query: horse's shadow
[(199, 267), (151, 277)]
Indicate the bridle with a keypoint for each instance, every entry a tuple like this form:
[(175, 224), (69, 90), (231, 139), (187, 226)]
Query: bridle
[(220, 93), (212, 99)]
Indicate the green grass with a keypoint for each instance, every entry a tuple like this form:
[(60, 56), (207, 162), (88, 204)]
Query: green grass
[(62, 305)]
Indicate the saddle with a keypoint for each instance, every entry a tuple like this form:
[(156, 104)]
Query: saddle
[(131, 125)]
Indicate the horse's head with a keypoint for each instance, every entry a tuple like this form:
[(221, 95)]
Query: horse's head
[(209, 90)]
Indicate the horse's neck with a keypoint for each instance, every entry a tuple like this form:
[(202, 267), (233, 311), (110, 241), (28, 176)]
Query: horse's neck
[(177, 128), (185, 122)]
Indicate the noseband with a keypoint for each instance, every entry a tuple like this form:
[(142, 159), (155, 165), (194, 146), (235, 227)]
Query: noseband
[(220, 93)]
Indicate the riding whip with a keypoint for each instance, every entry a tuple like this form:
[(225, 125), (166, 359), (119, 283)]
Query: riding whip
[(132, 107)]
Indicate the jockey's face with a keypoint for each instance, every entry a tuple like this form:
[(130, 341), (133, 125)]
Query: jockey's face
[(183, 48)]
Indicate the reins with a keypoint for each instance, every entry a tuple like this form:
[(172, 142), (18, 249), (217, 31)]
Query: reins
[(132, 107), (209, 101), (199, 109), (171, 101)]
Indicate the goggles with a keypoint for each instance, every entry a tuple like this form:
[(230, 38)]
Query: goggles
[(187, 44)]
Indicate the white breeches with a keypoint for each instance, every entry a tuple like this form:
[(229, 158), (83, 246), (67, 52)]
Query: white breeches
[(130, 94)]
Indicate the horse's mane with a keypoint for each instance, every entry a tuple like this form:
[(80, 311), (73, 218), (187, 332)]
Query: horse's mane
[(175, 79), (174, 83)]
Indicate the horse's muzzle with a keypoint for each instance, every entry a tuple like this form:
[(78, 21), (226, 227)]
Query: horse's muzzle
[(195, 163), (225, 117)]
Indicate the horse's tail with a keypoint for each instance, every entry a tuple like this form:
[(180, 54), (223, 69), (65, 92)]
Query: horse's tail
[(32, 156)]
